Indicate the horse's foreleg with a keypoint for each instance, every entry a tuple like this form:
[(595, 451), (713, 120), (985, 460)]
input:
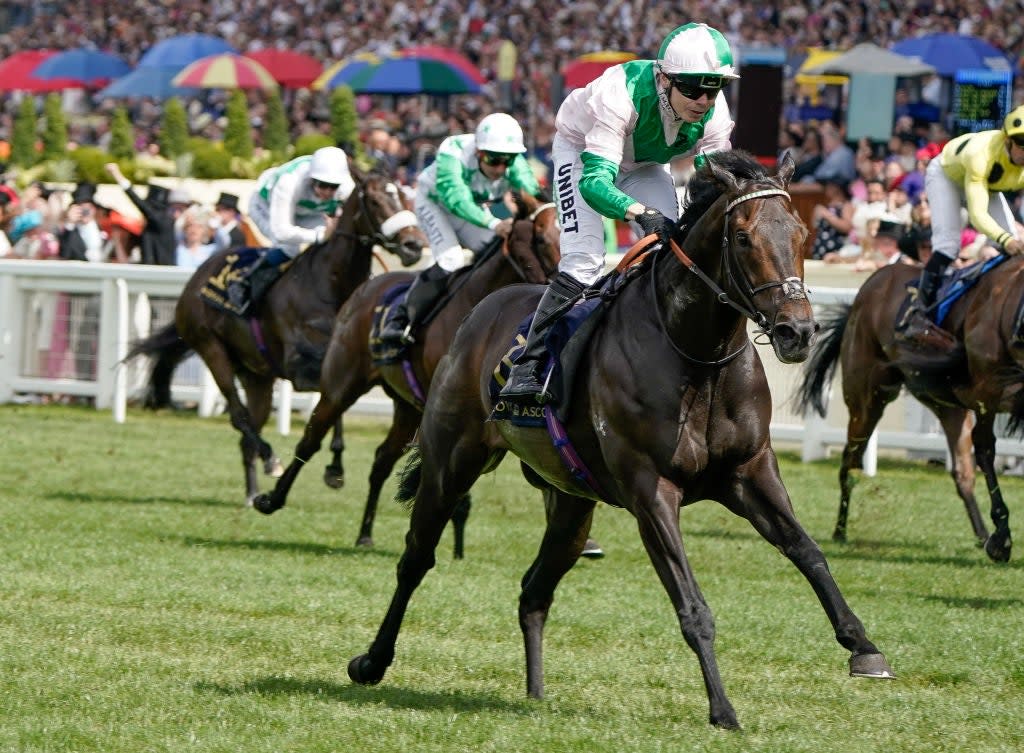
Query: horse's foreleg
[(334, 472), (320, 420), (404, 421), (757, 494), (658, 520), (957, 424), (998, 545), (568, 523)]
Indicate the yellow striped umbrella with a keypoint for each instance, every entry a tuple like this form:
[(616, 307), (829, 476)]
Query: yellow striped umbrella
[(225, 71)]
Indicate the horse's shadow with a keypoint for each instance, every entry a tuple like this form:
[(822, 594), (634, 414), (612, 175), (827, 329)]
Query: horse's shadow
[(295, 547), (395, 698), (133, 499)]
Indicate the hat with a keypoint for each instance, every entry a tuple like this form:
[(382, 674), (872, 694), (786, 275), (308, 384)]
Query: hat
[(23, 223), (157, 195), (84, 193), (227, 201), (179, 196), (890, 228)]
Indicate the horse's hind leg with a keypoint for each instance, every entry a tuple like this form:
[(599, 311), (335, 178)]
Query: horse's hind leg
[(334, 472), (450, 465), (259, 396), (404, 422), (957, 424), (758, 495), (998, 545), (568, 522)]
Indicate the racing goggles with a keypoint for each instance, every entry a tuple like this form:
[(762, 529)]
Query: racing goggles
[(694, 87), (496, 158), (1018, 139), (319, 184)]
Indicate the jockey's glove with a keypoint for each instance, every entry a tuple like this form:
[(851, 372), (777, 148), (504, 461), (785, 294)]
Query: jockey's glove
[(653, 222)]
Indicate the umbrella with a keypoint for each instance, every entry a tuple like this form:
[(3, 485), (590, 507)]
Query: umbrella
[(225, 71), (88, 67), (292, 70), (179, 51), (584, 69), (815, 56), (446, 55), (148, 81), (16, 73), (340, 73), (412, 76), (950, 53), (870, 58)]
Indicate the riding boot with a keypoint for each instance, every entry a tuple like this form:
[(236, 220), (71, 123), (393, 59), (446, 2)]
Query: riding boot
[(251, 288), (916, 326), (426, 289), (523, 380)]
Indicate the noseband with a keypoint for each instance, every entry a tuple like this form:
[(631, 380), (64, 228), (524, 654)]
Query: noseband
[(792, 287)]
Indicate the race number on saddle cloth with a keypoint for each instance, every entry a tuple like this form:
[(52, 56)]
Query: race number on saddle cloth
[(215, 292)]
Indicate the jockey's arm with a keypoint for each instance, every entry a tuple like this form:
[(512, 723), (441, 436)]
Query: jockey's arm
[(282, 214), (977, 194), (455, 196), (521, 176)]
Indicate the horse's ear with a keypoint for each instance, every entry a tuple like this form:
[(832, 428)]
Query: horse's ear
[(723, 176), (785, 171), (357, 174)]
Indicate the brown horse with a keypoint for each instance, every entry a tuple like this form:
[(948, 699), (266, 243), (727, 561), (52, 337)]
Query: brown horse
[(294, 320), (963, 389), (530, 255), (671, 406)]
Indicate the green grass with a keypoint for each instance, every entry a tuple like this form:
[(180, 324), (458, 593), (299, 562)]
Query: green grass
[(142, 608)]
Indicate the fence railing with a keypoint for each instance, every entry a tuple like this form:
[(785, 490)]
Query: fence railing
[(66, 326)]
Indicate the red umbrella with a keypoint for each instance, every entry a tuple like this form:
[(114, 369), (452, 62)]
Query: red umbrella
[(16, 73), (446, 55), (586, 68), (293, 70)]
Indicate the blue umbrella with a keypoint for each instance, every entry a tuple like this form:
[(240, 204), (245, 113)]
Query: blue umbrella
[(150, 81), (412, 75), (90, 67), (179, 51), (950, 53)]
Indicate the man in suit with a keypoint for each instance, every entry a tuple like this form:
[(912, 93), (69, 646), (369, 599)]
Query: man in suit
[(157, 241), (229, 233)]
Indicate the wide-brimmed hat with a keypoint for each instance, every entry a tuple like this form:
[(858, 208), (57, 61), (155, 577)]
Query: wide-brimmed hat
[(23, 223), (227, 201), (84, 193)]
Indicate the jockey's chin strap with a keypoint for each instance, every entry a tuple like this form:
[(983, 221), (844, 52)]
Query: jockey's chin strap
[(532, 217)]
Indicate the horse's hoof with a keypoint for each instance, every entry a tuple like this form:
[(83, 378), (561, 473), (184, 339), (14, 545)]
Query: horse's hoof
[(871, 665), (365, 542), (361, 671), (264, 504), (839, 536), (334, 477), (998, 548), (725, 720), (273, 468), (592, 550)]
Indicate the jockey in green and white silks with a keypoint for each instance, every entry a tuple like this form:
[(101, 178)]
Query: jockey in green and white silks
[(613, 142), (453, 193), (293, 201), (471, 172)]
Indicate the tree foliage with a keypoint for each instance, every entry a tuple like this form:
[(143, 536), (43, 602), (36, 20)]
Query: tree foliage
[(174, 129), (23, 140), (238, 133), (122, 141), (55, 132), (275, 128)]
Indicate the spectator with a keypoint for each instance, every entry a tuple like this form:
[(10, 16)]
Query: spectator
[(158, 240), (196, 245), (833, 221), (227, 223), (31, 238), (838, 161), (80, 237), (810, 158)]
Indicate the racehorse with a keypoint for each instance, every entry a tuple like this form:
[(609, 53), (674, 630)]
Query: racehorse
[(671, 406), (531, 254), (965, 388), (291, 330)]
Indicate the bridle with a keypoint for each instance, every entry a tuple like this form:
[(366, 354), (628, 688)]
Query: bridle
[(385, 234), (532, 219), (793, 287)]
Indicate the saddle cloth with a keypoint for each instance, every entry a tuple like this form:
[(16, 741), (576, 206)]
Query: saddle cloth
[(960, 282), (384, 353), (215, 291)]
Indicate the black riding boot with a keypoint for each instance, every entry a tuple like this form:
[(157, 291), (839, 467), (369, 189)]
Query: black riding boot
[(426, 290), (261, 275), (917, 325), (559, 296)]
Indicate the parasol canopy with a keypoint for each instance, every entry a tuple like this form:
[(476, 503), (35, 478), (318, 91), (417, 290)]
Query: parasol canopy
[(225, 71), (292, 70)]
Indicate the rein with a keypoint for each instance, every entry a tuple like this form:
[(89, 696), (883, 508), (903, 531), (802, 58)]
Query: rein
[(385, 235), (793, 287)]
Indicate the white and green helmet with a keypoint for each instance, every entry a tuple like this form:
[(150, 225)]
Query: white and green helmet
[(696, 50), (499, 132)]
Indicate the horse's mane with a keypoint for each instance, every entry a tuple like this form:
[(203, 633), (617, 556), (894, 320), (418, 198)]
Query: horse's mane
[(703, 188)]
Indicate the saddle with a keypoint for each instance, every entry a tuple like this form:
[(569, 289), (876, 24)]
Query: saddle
[(219, 290)]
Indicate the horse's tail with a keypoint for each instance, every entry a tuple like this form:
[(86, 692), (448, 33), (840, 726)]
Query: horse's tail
[(821, 366), (409, 479), (1015, 426), (168, 350)]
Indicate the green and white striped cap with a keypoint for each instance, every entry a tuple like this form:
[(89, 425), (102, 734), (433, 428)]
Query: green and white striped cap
[(696, 49)]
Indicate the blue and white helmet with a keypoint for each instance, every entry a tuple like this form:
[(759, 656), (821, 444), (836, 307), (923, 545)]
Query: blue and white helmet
[(696, 50)]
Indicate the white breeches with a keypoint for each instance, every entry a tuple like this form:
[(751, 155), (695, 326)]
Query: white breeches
[(945, 197), (447, 233)]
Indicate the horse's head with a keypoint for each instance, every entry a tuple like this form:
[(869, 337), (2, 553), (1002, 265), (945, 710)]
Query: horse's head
[(381, 216), (533, 247), (762, 238)]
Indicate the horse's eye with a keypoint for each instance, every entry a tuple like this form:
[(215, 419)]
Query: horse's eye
[(743, 239)]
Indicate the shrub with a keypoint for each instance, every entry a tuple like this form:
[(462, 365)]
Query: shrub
[(238, 133), (211, 160), (122, 140), (275, 129), (23, 140), (89, 162), (174, 129), (310, 142), (55, 133)]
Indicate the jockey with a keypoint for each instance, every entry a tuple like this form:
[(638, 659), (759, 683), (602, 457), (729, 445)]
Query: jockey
[(973, 169), (471, 172), (295, 204), (612, 142)]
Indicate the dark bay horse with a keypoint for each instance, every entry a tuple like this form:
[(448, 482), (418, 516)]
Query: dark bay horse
[(671, 406), (965, 389), (530, 255), (294, 321)]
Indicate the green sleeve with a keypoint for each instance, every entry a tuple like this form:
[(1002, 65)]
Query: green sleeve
[(597, 186), (455, 196), (520, 175)]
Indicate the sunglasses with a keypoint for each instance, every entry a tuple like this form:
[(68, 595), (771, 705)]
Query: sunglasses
[(694, 87), (1018, 141), (325, 186), (492, 158)]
